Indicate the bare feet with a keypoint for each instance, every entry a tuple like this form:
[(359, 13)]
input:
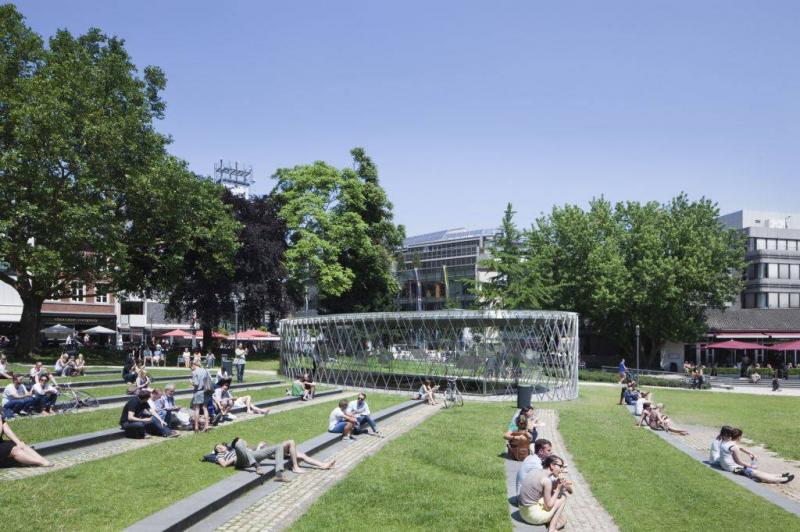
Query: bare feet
[(299, 471), (329, 465)]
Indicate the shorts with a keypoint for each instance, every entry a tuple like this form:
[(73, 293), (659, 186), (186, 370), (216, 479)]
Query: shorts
[(5, 454), (536, 514), (744, 471), (339, 427)]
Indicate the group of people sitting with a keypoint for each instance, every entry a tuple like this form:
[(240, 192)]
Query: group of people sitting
[(303, 387), (541, 484), (69, 365), (40, 399), (351, 418), (726, 452), (647, 411)]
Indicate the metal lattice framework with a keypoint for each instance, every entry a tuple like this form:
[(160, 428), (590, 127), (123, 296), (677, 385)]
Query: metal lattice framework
[(490, 351)]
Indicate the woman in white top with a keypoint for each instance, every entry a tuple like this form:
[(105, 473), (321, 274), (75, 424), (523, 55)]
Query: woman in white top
[(714, 451), (730, 460)]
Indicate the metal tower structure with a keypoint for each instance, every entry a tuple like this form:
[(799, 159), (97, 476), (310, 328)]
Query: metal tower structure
[(233, 177)]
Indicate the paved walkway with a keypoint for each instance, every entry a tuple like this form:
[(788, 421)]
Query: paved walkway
[(280, 508), (583, 511), (99, 451), (786, 392)]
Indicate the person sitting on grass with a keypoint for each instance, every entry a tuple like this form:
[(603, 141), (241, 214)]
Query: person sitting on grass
[(179, 417), (310, 386), (36, 371), (80, 365), (657, 420), (61, 366), (519, 441), (340, 422), (239, 455), (137, 421), (714, 450), (543, 495), (16, 398), (542, 448), (14, 451), (297, 389), (427, 393), (143, 381), (44, 396), (4, 373), (730, 459), (644, 397), (222, 376), (360, 410), (156, 406), (631, 394), (623, 387)]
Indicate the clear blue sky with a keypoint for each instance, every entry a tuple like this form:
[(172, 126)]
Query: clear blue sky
[(468, 105)]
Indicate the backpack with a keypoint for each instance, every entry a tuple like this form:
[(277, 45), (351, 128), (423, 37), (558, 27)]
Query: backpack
[(519, 450)]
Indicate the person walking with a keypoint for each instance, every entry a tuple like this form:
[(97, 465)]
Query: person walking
[(203, 388)]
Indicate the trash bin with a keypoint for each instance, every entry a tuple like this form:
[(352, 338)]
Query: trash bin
[(227, 366), (524, 394)]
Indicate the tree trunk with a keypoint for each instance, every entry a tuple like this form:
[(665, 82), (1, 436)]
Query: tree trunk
[(28, 338), (207, 338)]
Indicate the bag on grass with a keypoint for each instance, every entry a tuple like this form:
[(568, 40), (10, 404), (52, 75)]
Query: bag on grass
[(519, 449)]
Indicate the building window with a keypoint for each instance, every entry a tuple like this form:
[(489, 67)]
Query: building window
[(761, 300), (772, 300), (132, 308), (783, 300), (781, 245), (794, 300), (772, 244), (101, 293), (78, 291), (761, 243), (794, 271), (749, 300), (772, 271), (783, 271), (791, 245)]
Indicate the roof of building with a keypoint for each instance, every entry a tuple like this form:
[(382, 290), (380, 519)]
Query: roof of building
[(447, 235), (753, 319)]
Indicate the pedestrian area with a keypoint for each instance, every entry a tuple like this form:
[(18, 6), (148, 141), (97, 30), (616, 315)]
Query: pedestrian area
[(275, 505), (583, 511), (72, 457)]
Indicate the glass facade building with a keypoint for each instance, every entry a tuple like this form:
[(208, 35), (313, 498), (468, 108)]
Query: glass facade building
[(434, 270)]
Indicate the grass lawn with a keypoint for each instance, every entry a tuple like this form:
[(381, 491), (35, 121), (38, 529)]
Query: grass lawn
[(44, 428), (765, 419), (645, 483), (262, 365), (443, 475), (115, 492)]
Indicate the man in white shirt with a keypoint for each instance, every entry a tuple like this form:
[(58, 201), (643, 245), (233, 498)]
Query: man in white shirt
[(16, 398), (360, 410), (339, 422), (4, 374), (44, 395), (541, 449)]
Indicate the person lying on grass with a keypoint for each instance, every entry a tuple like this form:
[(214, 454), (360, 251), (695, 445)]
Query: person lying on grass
[(237, 454), (543, 495), (542, 448), (656, 420), (519, 441), (137, 420), (340, 422), (730, 459), (224, 401), (14, 452)]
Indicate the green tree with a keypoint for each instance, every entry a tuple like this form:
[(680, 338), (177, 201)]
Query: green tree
[(519, 277), (340, 233), (85, 181), (656, 266)]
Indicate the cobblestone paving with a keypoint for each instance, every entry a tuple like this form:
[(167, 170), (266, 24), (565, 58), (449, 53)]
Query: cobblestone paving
[(583, 511), (99, 451), (278, 510)]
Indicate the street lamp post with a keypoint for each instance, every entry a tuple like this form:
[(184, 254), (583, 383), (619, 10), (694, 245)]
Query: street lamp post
[(235, 320), (637, 350)]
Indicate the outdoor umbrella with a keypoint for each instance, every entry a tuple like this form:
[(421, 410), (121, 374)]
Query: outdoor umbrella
[(99, 330), (736, 344), (788, 346), (58, 329), (177, 332)]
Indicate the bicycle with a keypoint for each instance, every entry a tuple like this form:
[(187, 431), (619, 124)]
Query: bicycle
[(451, 395), (70, 399)]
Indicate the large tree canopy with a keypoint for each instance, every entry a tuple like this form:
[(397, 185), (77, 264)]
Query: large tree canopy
[(652, 265), (341, 234), (257, 277), (84, 176)]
